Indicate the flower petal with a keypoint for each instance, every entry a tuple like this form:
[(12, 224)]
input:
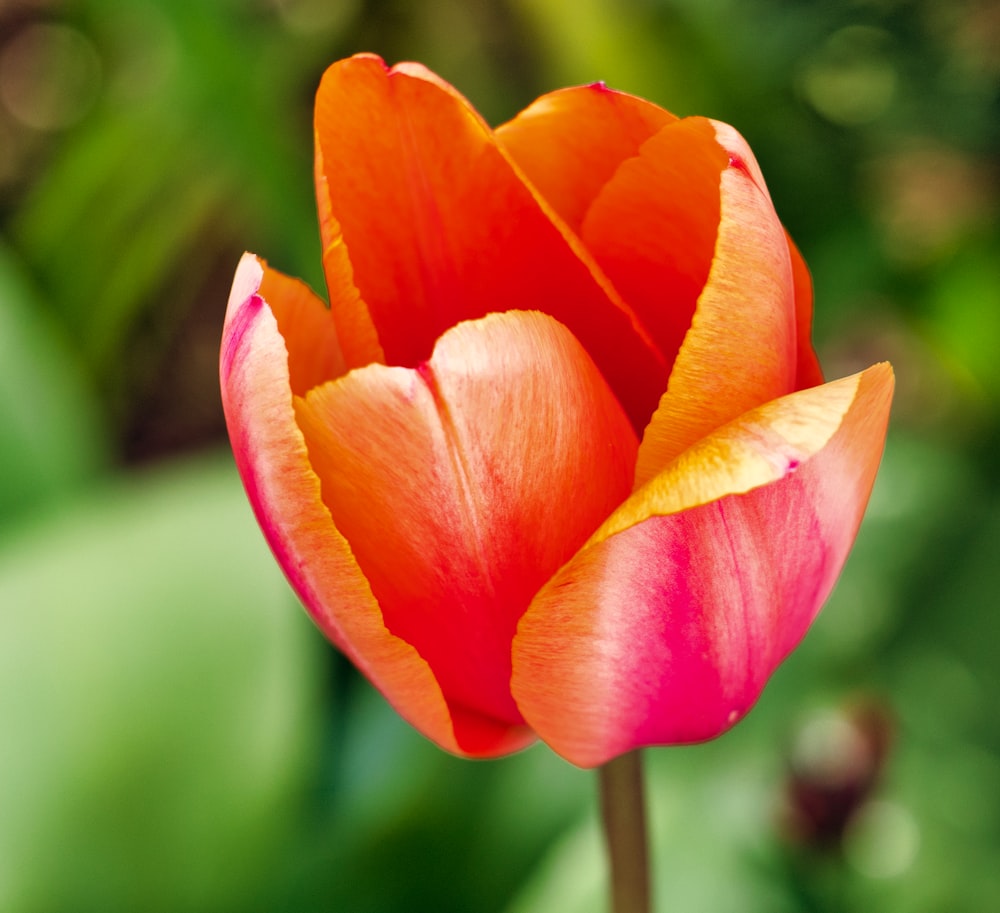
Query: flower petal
[(306, 325), (285, 494), (808, 372), (667, 624), (741, 349), (653, 226), (439, 227), (355, 329), (570, 143), (463, 484)]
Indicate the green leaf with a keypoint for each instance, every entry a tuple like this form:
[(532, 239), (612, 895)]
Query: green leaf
[(158, 702)]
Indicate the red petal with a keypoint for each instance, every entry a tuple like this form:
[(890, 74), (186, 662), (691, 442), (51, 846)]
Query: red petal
[(741, 349), (462, 485), (440, 227), (285, 494), (666, 626), (571, 142)]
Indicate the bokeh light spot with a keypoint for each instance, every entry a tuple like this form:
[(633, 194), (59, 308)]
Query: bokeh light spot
[(883, 839), (850, 81), (50, 75), (832, 750)]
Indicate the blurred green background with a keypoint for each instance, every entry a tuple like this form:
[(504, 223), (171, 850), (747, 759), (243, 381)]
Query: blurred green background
[(174, 735)]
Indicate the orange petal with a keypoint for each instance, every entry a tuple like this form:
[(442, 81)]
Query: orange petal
[(668, 623), (285, 494), (653, 226), (439, 227), (740, 351), (808, 372), (463, 484), (356, 331), (569, 143), (307, 327)]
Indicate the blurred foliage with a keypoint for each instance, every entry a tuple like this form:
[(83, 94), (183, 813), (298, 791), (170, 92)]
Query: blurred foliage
[(176, 736)]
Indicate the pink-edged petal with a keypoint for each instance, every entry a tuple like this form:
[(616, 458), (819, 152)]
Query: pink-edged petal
[(808, 372), (741, 349), (463, 484), (439, 226), (668, 623), (285, 494), (570, 142)]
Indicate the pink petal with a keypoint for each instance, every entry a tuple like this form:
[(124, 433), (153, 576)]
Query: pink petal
[(666, 626)]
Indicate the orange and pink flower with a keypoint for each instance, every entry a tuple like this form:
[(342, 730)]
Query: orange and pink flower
[(558, 460)]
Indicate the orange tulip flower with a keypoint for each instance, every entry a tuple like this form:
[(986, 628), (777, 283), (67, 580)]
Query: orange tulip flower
[(558, 460)]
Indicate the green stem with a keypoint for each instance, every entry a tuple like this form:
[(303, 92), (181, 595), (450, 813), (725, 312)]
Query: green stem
[(623, 807)]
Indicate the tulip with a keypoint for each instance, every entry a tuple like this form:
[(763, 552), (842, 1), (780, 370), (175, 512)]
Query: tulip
[(557, 460)]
